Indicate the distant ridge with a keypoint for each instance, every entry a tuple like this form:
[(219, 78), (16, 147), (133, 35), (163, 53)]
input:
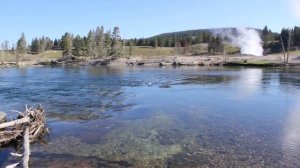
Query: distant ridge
[(198, 31)]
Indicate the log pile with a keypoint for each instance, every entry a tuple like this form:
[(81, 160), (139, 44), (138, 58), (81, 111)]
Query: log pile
[(34, 118), (30, 126)]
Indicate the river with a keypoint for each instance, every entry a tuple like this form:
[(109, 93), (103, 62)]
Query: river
[(159, 117)]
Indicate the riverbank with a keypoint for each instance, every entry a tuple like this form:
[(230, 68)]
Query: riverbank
[(236, 60), (218, 60)]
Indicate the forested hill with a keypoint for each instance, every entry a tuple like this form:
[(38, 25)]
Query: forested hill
[(183, 38), (194, 32)]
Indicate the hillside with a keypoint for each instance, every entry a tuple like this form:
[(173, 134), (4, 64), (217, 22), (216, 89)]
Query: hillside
[(194, 33)]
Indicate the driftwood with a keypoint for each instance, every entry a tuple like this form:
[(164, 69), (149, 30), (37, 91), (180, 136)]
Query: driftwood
[(13, 130), (26, 146), (15, 122), (29, 126)]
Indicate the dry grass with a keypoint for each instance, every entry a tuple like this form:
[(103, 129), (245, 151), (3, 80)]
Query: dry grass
[(159, 51), (47, 55)]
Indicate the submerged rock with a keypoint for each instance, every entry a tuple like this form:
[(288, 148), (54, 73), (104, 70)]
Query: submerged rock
[(2, 117), (140, 63)]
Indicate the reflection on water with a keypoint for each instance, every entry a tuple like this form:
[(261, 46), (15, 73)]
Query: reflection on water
[(249, 83), (291, 137), (160, 117)]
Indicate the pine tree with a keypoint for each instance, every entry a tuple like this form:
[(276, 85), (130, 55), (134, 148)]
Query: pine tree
[(130, 47), (43, 44), (108, 43), (67, 44), (79, 46), (21, 45), (100, 41), (49, 44), (116, 43), (91, 44), (21, 48), (297, 36), (34, 46), (55, 44)]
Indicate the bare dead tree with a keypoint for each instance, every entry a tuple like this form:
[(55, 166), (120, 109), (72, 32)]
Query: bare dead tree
[(283, 49), (290, 41)]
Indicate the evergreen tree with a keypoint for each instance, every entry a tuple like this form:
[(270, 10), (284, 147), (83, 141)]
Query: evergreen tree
[(21, 45), (91, 45), (55, 44), (130, 47), (116, 43), (34, 46), (79, 46), (100, 41), (67, 44), (49, 44), (108, 43), (215, 46), (267, 35), (297, 36), (43, 44)]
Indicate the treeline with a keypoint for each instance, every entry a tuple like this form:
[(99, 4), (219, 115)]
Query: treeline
[(175, 39), (98, 43), (287, 38), (272, 42)]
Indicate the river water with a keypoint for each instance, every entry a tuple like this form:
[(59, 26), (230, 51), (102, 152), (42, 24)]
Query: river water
[(159, 117)]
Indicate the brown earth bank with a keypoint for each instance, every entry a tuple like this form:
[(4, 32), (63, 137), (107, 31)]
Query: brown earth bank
[(218, 60)]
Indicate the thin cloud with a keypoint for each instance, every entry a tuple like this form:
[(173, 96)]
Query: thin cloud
[(295, 7)]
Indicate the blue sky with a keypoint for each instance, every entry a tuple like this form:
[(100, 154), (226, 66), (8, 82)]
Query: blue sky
[(140, 18)]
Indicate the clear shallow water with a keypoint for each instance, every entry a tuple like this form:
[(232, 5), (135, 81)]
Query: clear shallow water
[(160, 117)]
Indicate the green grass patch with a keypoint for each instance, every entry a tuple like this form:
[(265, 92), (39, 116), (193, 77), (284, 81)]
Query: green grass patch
[(260, 63)]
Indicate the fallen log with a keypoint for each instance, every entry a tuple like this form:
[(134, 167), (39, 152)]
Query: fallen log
[(12, 165), (29, 125), (26, 146), (34, 118), (15, 122)]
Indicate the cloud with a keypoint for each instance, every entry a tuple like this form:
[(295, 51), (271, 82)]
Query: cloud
[(295, 7)]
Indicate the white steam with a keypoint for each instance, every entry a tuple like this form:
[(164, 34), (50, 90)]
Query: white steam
[(248, 40), (295, 7)]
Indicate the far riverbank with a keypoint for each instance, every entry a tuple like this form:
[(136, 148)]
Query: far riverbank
[(219, 60)]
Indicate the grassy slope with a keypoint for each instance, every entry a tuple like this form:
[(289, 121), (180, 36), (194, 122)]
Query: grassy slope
[(159, 51), (169, 51)]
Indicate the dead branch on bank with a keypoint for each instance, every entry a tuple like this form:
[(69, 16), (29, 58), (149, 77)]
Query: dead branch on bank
[(29, 125), (33, 118)]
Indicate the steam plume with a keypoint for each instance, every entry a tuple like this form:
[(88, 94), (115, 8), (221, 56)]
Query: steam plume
[(295, 7), (248, 40)]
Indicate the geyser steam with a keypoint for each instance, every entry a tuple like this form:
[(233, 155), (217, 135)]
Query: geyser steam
[(249, 41)]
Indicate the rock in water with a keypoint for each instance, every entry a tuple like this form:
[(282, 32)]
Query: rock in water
[(2, 117)]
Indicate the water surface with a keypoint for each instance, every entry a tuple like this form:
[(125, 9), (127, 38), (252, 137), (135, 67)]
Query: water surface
[(160, 117)]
